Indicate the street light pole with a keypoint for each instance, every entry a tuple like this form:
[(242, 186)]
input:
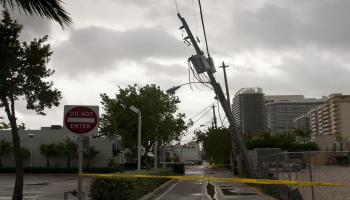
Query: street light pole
[(173, 89), (31, 136), (133, 108)]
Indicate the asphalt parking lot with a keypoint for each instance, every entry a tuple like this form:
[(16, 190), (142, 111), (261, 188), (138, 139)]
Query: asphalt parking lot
[(43, 186)]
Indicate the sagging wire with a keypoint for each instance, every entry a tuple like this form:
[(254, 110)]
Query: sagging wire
[(202, 111), (199, 78), (177, 7), (189, 74), (195, 21), (202, 116), (218, 105), (205, 35)]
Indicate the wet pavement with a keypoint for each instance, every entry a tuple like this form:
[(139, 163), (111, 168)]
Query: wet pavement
[(42, 186), (204, 190)]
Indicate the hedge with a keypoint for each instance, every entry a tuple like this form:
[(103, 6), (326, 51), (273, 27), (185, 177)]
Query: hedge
[(125, 188)]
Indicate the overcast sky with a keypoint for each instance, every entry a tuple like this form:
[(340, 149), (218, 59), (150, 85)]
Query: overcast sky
[(284, 47)]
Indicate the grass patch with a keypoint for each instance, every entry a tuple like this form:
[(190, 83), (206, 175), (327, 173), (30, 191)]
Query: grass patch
[(116, 188)]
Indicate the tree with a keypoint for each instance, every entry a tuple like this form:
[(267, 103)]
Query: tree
[(49, 150), (216, 144), (68, 149), (23, 74), (90, 154), (282, 141), (160, 123), (5, 148), (51, 9), (303, 134), (25, 153)]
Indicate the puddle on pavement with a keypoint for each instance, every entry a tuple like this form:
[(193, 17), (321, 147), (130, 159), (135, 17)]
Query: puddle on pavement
[(231, 192), (211, 190), (33, 184)]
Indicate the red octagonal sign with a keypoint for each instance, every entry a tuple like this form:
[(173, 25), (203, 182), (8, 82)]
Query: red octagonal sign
[(80, 119)]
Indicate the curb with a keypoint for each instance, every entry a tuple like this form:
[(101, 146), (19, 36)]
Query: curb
[(159, 188)]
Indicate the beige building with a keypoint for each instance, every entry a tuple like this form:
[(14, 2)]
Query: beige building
[(332, 117), (302, 122)]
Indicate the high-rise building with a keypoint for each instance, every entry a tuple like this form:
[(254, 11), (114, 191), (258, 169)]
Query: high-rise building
[(281, 111), (302, 122), (332, 117), (248, 108)]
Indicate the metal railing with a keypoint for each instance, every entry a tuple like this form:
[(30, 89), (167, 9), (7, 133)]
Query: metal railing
[(318, 166)]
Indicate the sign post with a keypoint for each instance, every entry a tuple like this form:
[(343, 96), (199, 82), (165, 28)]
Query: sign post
[(82, 122)]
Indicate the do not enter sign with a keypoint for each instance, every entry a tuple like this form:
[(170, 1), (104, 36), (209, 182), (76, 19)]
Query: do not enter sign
[(81, 120)]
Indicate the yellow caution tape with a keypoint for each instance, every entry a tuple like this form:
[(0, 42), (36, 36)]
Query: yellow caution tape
[(215, 179)]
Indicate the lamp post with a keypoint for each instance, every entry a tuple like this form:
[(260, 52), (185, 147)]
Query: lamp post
[(31, 136), (173, 89), (134, 109)]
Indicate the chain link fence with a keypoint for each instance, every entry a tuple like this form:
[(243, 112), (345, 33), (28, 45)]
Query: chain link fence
[(320, 166)]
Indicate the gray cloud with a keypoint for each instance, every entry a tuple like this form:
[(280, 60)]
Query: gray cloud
[(97, 48), (33, 26), (312, 74), (290, 24)]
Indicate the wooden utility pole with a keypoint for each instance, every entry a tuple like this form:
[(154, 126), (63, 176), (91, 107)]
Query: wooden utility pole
[(215, 124), (236, 137), (233, 158), (223, 66)]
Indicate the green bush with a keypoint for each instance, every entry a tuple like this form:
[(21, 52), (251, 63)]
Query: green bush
[(125, 188)]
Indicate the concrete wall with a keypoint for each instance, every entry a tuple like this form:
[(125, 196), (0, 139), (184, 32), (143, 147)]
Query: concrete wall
[(47, 136), (345, 119), (325, 142)]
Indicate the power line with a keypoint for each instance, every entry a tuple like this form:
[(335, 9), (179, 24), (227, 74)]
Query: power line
[(222, 124), (176, 5), (205, 35), (201, 111), (202, 116)]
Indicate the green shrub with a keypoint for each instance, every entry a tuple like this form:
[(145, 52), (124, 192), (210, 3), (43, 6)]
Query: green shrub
[(125, 188)]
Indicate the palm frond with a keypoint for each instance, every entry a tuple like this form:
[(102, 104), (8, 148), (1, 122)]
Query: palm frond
[(51, 9)]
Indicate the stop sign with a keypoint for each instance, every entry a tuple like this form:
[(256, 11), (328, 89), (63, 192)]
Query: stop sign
[(81, 120)]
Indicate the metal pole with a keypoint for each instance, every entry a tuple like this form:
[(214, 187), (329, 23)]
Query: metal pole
[(311, 178), (139, 144), (215, 122), (31, 151), (164, 159), (155, 155), (80, 167), (180, 153)]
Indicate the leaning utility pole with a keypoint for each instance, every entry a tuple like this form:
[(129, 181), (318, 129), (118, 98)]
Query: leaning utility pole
[(233, 151), (236, 137), (223, 66), (215, 124)]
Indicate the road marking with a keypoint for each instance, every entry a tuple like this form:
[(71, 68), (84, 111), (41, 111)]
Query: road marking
[(209, 178), (167, 191)]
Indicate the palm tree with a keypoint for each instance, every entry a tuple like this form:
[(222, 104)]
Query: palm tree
[(49, 150), (90, 154), (51, 9), (69, 149), (5, 148)]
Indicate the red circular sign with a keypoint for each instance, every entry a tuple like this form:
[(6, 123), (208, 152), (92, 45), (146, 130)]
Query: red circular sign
[(80, 120)]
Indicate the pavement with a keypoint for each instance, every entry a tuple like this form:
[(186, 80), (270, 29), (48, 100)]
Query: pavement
[(42, 186), (204, 190), (53, 186)]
